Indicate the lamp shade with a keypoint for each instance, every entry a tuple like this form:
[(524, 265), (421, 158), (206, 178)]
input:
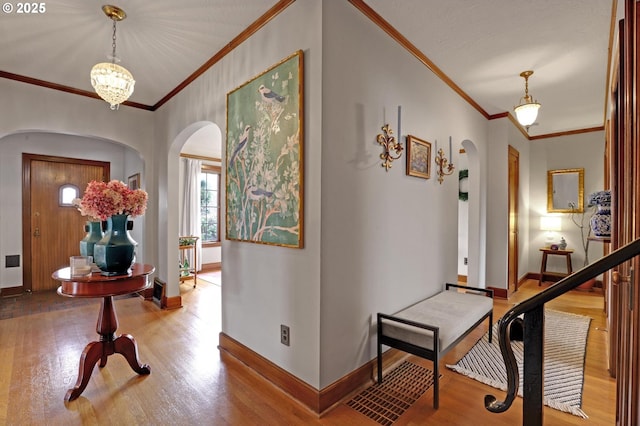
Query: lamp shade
[(550, 223), (112, 82), (527, 113)]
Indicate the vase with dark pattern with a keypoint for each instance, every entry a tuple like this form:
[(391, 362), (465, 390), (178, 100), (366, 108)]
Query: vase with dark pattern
[(601, 221)]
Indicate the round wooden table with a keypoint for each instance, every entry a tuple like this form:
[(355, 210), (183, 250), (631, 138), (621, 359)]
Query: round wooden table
[(97, 285)]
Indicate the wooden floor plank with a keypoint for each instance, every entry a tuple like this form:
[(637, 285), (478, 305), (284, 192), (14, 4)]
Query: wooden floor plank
[(190, 384)]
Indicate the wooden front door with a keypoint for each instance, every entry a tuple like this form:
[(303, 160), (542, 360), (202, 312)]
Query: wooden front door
[(51, 231), (514, 184)]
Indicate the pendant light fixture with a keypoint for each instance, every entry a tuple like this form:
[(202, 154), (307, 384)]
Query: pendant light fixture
[(527, 110), (112, 82)]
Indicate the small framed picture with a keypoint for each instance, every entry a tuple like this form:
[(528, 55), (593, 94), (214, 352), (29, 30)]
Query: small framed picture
[(418, 157), (134, 181)]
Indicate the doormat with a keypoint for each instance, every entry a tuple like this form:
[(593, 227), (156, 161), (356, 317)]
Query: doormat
[(401, 387)]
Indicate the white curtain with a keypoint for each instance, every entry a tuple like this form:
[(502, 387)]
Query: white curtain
[(191, 208)]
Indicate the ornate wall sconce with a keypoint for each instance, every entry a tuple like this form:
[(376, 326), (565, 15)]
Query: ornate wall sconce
[(388, 142), (443, 165)]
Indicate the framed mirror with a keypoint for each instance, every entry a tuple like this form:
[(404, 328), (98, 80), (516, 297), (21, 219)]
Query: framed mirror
[(565, 191)]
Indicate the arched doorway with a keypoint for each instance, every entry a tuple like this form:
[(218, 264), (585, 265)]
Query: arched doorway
[(470, 233), (200, 139)]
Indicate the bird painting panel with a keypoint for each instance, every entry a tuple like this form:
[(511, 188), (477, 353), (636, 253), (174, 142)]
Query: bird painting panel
[(265, 157)]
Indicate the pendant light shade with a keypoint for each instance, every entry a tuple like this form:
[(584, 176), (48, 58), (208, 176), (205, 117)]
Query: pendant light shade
[(527, 110), (112, 82)]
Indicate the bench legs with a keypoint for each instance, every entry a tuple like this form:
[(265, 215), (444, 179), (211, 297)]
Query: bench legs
[(435, 354), (490, 326), (379, 355), (436, 383), (436, 377)]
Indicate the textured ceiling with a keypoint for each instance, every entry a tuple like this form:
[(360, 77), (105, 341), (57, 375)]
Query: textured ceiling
[(482, 46), (161, 42)]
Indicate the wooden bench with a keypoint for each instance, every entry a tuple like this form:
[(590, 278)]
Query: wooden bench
[(431, 327)]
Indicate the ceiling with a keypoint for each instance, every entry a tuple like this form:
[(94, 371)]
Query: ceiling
[(481, 46)]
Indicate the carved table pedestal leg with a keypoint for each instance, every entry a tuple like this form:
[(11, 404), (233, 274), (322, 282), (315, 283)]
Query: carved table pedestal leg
[(108, 345)]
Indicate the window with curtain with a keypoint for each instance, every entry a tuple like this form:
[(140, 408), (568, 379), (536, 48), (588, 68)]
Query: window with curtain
[(210, 203)]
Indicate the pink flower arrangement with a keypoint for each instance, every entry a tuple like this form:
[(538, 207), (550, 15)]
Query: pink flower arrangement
[(102, 200)]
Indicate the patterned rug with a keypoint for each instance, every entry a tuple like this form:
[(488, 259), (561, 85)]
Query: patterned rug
[(564, 354), (400, 388)]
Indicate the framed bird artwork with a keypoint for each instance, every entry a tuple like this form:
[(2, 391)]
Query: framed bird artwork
[(264, 157)]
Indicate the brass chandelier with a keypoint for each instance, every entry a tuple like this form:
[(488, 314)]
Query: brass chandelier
[(527, 110), (112, 82)]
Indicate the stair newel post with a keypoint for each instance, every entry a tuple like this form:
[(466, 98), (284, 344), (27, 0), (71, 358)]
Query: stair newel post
[(533, 367)]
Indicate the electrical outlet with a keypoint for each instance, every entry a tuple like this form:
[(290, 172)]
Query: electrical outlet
[(285, 336), (466, 260)]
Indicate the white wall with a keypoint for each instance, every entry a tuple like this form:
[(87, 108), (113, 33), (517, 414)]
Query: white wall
[(79, 127), (523, 146), (502, 135), (477, 211), (124, 162), (209, 254), (374, 240), (206, 141), (497, 203), (388, 239), (463, 217), (576, 151), (264, 286)]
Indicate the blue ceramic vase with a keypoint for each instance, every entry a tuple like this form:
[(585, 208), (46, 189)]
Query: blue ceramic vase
[(601, 221), (94, 234), (115, 252)]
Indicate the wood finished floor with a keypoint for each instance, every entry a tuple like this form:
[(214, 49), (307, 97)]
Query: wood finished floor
[(190, 385)]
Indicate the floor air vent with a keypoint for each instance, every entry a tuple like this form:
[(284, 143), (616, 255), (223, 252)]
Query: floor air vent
[(400, 388)]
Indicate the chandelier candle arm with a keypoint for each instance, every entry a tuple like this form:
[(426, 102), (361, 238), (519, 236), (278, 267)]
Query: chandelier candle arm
[(112, 82)]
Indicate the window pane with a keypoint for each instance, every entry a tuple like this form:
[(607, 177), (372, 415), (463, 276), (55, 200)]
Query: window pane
[(67, 194), (209, 208)]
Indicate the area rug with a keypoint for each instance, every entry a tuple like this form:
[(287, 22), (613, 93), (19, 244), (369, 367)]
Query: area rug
[(401, 387), (565, 337)]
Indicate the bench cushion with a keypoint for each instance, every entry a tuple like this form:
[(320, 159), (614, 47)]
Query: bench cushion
[(453, 312)]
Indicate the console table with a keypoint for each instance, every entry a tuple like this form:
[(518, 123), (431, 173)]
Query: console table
[(543, 266), (97, 285)]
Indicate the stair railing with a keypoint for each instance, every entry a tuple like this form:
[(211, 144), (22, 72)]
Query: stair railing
[(533, 340)]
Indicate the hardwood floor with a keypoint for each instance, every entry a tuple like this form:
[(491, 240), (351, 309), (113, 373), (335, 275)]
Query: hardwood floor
[(190, 385)]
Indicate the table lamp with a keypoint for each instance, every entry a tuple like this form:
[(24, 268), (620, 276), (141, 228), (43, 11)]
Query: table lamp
[(550, 224)]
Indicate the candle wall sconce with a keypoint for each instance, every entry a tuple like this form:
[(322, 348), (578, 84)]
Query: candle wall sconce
[(443, 166), (389, 143)]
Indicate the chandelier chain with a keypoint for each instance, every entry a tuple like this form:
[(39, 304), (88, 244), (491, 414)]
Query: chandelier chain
[(113, 43)]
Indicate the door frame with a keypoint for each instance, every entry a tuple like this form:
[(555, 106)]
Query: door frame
[(514, 189), (26, 204)]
